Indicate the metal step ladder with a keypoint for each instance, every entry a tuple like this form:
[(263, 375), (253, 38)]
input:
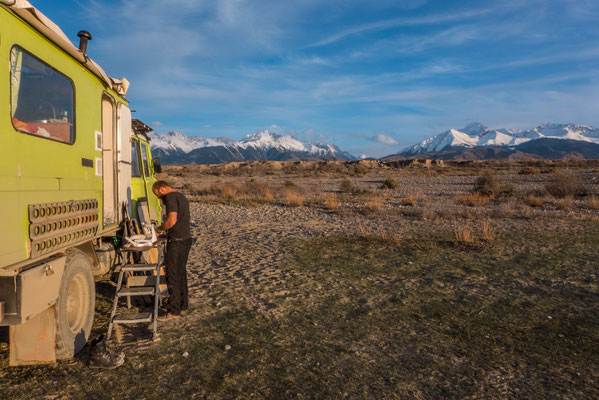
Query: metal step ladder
[(148, 285)]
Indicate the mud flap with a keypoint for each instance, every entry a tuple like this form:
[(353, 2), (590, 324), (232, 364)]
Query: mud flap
[(34, 342)]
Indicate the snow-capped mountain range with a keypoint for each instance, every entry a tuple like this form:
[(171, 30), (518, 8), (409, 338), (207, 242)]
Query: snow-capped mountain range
[(175, 147), (478, 135)]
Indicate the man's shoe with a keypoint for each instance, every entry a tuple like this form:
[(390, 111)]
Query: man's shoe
[(100, 344), (102, 355), (167, 316)]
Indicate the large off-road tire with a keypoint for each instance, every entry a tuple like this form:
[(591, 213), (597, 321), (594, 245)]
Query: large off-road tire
[(75, 306)]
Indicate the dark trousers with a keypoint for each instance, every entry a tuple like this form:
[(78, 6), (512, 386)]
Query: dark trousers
[(177, 252)]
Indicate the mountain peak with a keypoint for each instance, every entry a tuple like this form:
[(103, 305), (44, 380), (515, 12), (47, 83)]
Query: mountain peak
[(476, 135), (176, 147), (265, 134), (475, 128)]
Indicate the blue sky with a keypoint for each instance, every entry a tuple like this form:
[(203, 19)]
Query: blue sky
[(369, 76)]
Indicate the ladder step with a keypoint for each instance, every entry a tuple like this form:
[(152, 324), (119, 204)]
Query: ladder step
[(132, 318), (144, 280), (136, 291), (139, 267)]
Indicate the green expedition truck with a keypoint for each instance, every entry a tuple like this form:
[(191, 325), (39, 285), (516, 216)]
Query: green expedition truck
[(73, 164)]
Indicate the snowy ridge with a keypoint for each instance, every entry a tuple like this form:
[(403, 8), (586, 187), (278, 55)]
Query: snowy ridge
[(176, 142), (479, 135)]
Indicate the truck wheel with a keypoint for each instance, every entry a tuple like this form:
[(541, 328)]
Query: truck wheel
[(76, 305)]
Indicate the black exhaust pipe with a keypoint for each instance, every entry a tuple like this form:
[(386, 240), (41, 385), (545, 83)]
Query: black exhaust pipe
[(84, 36)]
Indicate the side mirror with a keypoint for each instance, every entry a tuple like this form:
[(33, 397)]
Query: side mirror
[(157, 165)]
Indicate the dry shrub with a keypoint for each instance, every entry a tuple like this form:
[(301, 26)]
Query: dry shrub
[(487, 233), (389, 183), (373, 203), (565, 184), (293, 198), (507, 208), (347, 186), (463, 233), (357, 170), (260, 190), (267, 195), (225, 191), (188, 187), (529, 171), (488, 184), (475, 199), (534, 200), (593, 202), (331, 202), (409, 200), (564, 203), (387, 236)]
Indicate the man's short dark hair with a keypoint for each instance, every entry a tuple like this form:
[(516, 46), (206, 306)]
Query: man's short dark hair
[(159, 185)]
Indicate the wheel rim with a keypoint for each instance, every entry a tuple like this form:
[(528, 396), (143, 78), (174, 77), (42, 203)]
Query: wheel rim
[(77, 303)]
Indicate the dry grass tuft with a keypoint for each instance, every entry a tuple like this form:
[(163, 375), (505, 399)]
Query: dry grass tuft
[(386, 236), (534, 200), (529, 170), (593, 202), (487, 233), (293, 198), (331, 202), (475, 199), (267, 194), (226, 191), (463, 233), (564, 203), (409, 200), (373, 202)]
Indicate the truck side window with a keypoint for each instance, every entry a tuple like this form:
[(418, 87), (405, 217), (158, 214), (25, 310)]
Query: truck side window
[(144, 155), (41, 98), (135, 172)]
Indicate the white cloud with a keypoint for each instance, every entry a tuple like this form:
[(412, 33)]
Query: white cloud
[(398, 22), (383, 139)]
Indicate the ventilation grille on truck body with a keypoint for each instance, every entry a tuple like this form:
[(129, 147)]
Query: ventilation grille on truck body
[(56, 225)]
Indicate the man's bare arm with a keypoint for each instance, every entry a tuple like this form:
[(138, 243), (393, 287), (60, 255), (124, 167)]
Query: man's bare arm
[(169, 222)]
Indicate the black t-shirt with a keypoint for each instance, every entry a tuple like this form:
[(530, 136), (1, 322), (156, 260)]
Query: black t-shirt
[(176, 202)]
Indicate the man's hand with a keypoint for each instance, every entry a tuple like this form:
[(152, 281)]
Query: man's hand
[(169, 222)]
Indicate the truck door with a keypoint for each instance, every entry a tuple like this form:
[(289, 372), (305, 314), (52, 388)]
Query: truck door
[(124, 159), (108, 161), (149, 180)]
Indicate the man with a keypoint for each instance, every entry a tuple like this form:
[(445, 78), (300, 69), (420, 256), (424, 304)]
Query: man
[(178, 245)]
